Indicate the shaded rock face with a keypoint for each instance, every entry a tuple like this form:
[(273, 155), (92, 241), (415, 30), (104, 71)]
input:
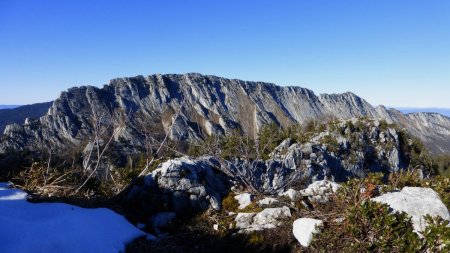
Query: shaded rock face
[(184, 185), (204, 105)]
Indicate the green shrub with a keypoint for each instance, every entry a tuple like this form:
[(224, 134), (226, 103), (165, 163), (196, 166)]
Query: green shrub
[(384, 125), (373, 228), (269, 137), (442, 163), (331, 142), (437, 234), (403, 178), (368, 227)]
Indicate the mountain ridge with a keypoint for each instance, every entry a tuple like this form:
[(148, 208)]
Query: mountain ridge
[(203, 104)]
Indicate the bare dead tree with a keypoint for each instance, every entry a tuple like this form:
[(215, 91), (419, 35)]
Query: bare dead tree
[(104, 131), (246, 169), (153, 157)]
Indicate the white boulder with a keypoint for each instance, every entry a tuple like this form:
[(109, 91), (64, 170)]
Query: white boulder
[(304, 229), (244, 199), (417, 202)]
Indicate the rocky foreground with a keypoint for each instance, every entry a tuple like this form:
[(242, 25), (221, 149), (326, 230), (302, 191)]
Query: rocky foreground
[(390, 217), (301, 198), (358, 185)]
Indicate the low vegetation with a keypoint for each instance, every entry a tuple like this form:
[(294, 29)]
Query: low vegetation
[(352, 223)]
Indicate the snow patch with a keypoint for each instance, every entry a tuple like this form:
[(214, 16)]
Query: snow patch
[(57, 227)]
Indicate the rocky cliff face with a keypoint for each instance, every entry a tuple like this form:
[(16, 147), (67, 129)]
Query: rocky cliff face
[(197, 105)]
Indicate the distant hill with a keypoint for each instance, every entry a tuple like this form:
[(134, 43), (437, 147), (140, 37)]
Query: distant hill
[(8, 106), (443, 111), (19, 114)]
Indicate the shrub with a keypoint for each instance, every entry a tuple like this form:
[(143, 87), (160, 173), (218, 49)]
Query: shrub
[(404, 178), (374, 229), (384, 125), (43, 180), (437, 234), (269, 137), (442, 163), (331, 143), (229, 203)]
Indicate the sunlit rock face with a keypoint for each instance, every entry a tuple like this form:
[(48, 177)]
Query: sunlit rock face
[(187, 107)]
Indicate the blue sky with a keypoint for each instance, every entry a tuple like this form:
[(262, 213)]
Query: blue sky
[(395, 53)]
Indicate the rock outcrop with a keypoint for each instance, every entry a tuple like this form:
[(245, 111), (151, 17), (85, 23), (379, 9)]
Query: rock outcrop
[(190, 106), (183, 185), (347, 148)]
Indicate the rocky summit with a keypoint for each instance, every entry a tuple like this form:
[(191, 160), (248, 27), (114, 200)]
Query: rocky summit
[(191, 106)]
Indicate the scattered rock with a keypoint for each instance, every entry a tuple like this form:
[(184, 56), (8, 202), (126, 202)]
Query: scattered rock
[(339, 220), (266, 219), (320, 190), (271, 215)]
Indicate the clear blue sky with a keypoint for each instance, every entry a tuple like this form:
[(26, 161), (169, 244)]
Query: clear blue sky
[(390, 52)]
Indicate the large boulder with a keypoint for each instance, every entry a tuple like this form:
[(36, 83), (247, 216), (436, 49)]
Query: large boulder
[(417, 202), (304, 229), (184, 184)]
